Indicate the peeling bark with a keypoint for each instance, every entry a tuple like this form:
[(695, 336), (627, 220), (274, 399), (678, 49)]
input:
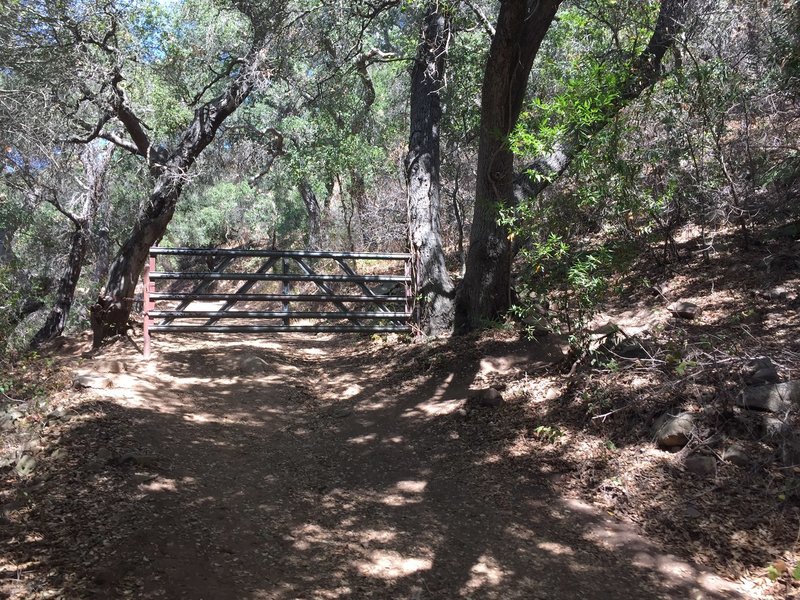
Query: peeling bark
[(433, 285)]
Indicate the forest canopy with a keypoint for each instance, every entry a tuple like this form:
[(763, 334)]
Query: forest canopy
[(524, 151)]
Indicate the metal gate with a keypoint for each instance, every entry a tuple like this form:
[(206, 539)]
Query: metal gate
[(265, 291)]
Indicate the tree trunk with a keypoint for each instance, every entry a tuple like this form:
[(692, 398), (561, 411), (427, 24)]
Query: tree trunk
[(103, 241), (111, 313), (358, 194), (6, 237), (484, 294), (96, 161), (313, 211), (485, 291), (433, 286), (57, 319)]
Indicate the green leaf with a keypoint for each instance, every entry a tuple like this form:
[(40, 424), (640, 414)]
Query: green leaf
[(773, 573)]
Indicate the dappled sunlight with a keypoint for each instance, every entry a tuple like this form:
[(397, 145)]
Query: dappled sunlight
[(159, 485), (375, 405), (350, 391), (399, 500), (313, 351), (433, 408), (411, 487), (386, 564), (487, 572), (556, 548), (292, 491), (363, 439)]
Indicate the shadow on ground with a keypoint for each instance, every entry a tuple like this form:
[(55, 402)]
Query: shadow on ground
[(333, 470)]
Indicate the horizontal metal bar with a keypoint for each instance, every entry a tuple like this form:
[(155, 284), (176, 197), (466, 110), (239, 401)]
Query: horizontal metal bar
[(280, 253), (273, 297), (279, 328), (247, 314), (277, 277)]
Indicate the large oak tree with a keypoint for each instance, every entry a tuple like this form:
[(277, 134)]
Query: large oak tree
[(485, 293)]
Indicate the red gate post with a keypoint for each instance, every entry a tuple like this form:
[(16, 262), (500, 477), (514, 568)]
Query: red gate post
[(408, 271), (148, 304)]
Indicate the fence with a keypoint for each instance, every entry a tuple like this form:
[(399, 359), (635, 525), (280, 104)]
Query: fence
[(271, 285)]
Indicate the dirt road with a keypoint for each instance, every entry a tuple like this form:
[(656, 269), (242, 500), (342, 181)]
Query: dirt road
[(313, 467)]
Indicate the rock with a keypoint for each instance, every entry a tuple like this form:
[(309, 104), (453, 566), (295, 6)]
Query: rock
[(486, 398), (536, 327), (59, 414), (780, 263), (685, 310), (90, 381), (774, 428), (25, 465), (660, 289), (33, 445), (772, 397), (790, 451), (736, 455), (672, 431), (252, 365), (789, 231), (552, 394), (699, 464), (760, 370)]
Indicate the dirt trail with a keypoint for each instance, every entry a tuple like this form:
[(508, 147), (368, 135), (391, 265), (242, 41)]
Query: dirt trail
[(314, 467)]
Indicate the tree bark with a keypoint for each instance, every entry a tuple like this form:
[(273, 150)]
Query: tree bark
[(111, 313), (6, 238), (484, 293), (65, 295), (313, 212), (96, 162), (433, 285)]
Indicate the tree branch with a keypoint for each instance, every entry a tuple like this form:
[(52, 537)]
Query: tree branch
[(645, 72), (133, 125), (219, 77), (121, 142), (487, 25)]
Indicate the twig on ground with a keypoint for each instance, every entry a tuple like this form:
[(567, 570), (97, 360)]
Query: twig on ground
[(608, 414), (10, 399)]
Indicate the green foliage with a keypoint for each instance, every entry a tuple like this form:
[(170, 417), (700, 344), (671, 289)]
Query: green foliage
[(548, 433), (228, 212), (570, 280), (773, 573)]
